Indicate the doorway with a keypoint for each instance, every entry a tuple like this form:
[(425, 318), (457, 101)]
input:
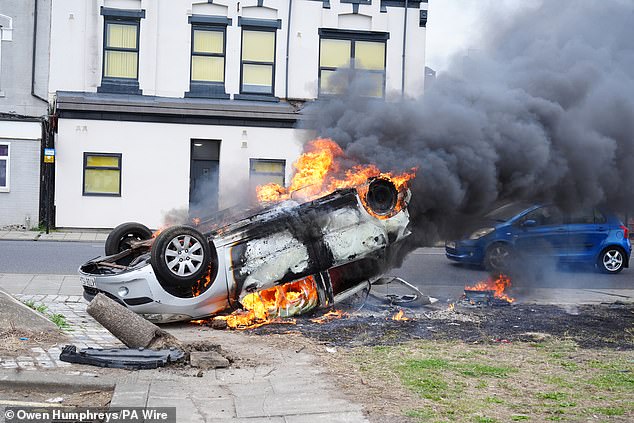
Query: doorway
[(203, 177)]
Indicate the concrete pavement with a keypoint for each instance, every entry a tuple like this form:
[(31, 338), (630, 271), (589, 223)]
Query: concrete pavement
[(277, 383), (62, 235)]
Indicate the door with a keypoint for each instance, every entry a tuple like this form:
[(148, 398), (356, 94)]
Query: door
[(203, 178), (546, 235), (587, 230)]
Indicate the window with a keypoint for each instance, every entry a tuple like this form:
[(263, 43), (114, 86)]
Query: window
[(102, 174), (120, 70), (265, 171), (258, 61), (545, 216), (207, 66), (4, 167), (121, 50), (363, 52), (208, 55)]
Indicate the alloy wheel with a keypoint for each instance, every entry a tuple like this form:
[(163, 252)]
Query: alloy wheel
[(612, 260), (184, 255)]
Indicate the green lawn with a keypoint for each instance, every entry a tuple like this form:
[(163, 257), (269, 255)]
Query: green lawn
[(433, 381)]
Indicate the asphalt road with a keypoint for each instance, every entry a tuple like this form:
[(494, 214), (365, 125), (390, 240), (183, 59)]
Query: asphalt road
[(46, 257), (427, 268)]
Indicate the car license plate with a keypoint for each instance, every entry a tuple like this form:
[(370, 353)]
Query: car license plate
[(88, 281), (451, 244)]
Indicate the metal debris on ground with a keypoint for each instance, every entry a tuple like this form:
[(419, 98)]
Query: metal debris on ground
[(121, 358)]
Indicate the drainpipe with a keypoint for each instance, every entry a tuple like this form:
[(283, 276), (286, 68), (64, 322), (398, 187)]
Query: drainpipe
[(34, 47), (404, 45), (288, 43)]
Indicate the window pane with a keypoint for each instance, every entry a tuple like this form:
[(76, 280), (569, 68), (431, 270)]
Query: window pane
[(257, 78), (120, 64), (258, 46), (267, 166), (3, 173), (4, 150), (327, 83), (374, 83), (208, 42), (334, 53), (99, 181), (102, 161), (369, 55), (211, 69), (121, 36), (259, 179)]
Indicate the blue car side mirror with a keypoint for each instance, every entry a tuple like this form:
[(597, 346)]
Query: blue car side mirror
[(529, 223)]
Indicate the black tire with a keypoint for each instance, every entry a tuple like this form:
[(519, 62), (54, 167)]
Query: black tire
[(119, 238), (611, 260), (498, 257), (180, 256)]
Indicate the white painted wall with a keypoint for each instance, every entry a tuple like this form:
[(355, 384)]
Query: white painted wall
[(165, 42), (20, 205), (155, 167)]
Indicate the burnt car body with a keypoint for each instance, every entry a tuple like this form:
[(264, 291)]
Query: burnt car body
[(344, 240)]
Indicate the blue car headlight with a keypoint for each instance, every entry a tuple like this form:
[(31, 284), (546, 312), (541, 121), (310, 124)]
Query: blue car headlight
[(480, 233)]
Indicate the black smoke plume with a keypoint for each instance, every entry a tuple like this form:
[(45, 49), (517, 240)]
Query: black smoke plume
[(543, 111)]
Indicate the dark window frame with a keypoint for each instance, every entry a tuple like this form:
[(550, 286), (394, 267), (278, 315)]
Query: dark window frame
[(207, 89), (110, 84), (252, 95), (252, 161), (353, 37), (7, 159), (86, 167)]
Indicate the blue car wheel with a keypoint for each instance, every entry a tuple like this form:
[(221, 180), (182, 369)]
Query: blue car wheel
[(611, 260), (498, 257)]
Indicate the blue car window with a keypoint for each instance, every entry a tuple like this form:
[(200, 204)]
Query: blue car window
[(582, 217), (545, 216), (599, 217)]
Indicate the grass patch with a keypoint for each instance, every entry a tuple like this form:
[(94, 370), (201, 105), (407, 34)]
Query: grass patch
[(58, 319), (555, 396), (608, 411), (37, 307), (449, 381), (614, 380)]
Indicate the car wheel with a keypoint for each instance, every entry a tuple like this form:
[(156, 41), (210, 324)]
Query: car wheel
[(119, 238), (498, 257), (611, 260), (180, 255)]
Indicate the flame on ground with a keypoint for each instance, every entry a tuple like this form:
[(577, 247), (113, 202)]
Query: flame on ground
[(331, 315), (498, 286), (269, 305), (319, 171), (400, 316)]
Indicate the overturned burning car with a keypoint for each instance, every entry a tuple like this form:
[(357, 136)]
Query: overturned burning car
[(333, 246)]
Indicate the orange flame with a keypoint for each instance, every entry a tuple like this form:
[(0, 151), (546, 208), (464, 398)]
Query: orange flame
[(201, 284), (319, 172), (269, 305), (400, 316), (498, 286), (451, 307), (331, 315)]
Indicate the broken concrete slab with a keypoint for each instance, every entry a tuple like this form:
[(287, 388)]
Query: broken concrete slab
[(208, 360), (16, 316)]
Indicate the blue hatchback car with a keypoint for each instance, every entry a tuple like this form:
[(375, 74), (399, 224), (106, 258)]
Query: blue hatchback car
[(518, 230)]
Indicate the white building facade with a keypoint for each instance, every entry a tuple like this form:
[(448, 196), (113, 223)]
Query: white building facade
[(187, 104)]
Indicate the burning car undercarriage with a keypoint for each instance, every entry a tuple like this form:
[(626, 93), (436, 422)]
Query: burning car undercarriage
[(320, 251)]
